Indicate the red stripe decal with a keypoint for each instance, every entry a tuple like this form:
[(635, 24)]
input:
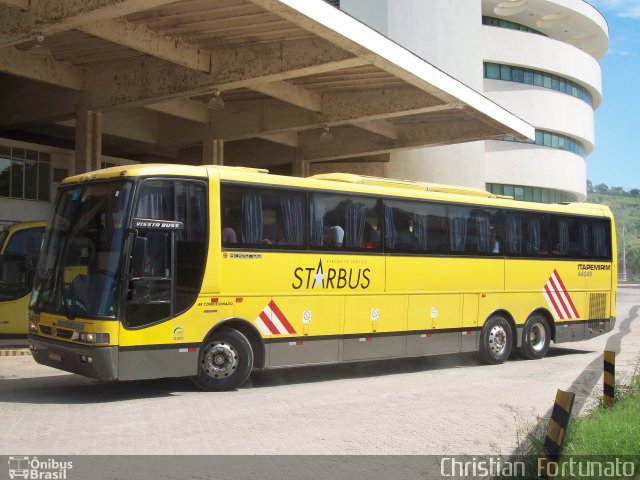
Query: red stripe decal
[(281, 317), (269, 324), (553, 302), (573, 307), (556, 288)]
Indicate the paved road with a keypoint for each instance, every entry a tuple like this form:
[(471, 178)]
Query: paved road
[(447, 404)]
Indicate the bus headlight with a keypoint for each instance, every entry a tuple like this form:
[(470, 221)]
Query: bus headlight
[(93, 337), (32, 321)]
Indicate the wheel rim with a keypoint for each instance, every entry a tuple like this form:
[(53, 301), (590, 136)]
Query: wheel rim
[(220, 360), (498, 340), (538, 337)]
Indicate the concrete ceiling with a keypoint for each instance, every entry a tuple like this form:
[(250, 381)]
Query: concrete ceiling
[(284, 69)]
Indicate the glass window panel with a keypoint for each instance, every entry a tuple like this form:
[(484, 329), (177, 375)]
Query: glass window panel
[(18, 153), (31, 180), (17, 178), (508, 190), (5, 177), (528, 194), (547, 139), (537, 195), (5, 151), (44, 176), (538, 79), (44, 157), (545, 196), (518, 74), (546, 82), (519, 193), (554, 141), (505, 72), (493, 70), (32, 155), (539, 137)]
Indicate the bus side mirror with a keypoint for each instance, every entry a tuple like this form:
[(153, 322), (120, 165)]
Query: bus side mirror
[(139, 257)]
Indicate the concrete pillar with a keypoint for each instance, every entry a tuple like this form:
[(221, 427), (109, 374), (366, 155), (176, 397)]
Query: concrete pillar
[(213, 151), (88, 140), (301, 168), (212, 147)]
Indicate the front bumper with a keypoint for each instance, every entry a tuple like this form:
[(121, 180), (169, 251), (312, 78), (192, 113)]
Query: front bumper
[(95, 362)]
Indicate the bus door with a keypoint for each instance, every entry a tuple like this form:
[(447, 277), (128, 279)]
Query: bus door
[(167, 244)]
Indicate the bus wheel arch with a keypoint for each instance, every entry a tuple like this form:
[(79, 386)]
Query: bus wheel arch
[(537, 333), (226, 358), (497, 338), (252, 334)]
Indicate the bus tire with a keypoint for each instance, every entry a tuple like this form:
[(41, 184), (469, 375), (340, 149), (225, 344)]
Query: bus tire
[(536, 337), (225, 361), (496, 340)]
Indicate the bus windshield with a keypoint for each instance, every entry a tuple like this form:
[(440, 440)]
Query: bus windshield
[(80, 262)]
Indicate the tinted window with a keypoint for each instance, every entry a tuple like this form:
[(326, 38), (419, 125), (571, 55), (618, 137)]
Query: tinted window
[(571, 237), (344, 222), (415, 226), (262, 218)]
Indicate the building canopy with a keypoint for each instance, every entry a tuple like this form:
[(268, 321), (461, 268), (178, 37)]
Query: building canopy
[(273, 79)]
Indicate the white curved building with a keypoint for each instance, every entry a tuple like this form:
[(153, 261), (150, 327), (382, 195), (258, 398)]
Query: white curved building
[(539, 59)]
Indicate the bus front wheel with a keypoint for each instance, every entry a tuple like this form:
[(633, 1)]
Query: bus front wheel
[(536, 338), (496, 340), (226, 360)]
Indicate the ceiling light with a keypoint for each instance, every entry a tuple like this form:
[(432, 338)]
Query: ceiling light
[(216, 102), (326, 135)]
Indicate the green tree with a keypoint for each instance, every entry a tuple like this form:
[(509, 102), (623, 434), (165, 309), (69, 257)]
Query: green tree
[(590, 187), (602, 188), (617, 191)]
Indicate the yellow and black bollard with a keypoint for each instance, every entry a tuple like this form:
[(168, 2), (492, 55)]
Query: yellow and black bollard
[(556, 430), (609, 378)]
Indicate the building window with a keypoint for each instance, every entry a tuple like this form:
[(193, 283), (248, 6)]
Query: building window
[(553, 140), (499, 22), (25, 174), (508, 73), (530, 194)]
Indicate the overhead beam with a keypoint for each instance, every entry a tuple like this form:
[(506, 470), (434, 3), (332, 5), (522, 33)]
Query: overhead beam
[(142, 82), (140, 38), (42, 69), (47, 17), (250, 118), (379, 127), (290, 93), (185, 108), (20, 4), (350, 142), (32, 105)]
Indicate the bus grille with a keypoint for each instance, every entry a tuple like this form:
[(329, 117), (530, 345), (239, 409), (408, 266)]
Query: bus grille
[(597, 310), (58, 332)]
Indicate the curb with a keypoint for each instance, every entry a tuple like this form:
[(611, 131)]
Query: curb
[(16, 352)]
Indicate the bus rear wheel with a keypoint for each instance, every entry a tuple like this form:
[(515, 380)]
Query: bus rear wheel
[(536, 338), (226, 360), (496, 340)]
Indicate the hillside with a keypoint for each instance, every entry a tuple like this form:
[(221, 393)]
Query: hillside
[(626, 210)]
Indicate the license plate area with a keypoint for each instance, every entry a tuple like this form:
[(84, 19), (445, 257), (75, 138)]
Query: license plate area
[(55, 356)]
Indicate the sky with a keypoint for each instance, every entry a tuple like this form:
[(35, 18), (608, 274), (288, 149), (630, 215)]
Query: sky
[(616, 159)]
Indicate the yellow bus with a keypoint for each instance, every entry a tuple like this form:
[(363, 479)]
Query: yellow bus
[(19, 246), (164, 271)]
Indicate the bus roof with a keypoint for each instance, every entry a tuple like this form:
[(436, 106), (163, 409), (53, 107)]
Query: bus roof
[(342, 182)]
